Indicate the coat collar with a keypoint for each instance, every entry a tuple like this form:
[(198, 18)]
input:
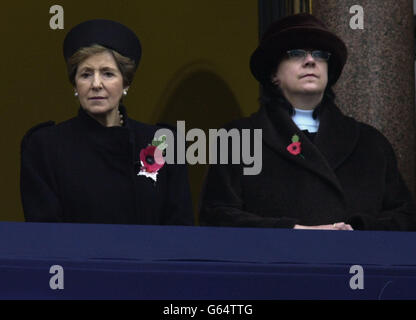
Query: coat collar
[(95, 125), (334, 141), (114, 140)]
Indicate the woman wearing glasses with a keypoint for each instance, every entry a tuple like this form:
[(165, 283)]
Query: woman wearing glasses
[(320, 168)]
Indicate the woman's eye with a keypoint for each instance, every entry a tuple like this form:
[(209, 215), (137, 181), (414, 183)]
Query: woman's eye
[(109, 74), (85, 75), (297, 53)]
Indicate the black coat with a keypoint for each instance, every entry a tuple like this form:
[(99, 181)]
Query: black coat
[(81, 171), (347, 174)]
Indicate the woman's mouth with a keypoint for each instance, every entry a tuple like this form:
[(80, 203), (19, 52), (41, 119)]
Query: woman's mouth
[(97, 98), (309, 75)]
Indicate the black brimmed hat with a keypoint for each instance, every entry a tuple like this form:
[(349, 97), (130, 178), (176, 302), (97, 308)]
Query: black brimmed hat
[(296, 32), (108, 33)]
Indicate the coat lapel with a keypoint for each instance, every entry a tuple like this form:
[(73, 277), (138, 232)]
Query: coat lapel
[(337, 136), (334, 141)]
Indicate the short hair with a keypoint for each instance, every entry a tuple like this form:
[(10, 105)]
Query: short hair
[(126, 65)]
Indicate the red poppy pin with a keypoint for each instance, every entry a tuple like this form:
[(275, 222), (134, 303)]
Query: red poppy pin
[(295, 147), (151, 158)]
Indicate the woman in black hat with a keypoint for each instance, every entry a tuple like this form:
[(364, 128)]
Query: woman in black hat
[(101, 166), (320, 169)]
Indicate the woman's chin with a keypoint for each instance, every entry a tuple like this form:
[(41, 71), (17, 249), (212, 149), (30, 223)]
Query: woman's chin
[(98, 109), (313, 90)]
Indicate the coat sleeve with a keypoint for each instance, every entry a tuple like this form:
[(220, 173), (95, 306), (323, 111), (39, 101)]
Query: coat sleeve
[(399, 211), (38, 191), (222, 201)]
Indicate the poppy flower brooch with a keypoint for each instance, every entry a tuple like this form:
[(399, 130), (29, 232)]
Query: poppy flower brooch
[(151, 158), (295, 147)]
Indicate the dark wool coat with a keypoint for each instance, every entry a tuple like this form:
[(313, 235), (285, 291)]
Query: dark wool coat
[(81, 171), (347, 174)]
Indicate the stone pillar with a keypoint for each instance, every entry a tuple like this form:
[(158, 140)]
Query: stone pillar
[(378, 84)]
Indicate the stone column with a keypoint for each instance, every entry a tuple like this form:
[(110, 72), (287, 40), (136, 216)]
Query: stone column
[(377, 85)]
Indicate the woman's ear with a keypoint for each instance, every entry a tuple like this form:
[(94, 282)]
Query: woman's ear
[(275, 80)]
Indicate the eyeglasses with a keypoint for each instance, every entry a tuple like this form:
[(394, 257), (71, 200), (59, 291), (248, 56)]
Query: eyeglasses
[(299, 54)]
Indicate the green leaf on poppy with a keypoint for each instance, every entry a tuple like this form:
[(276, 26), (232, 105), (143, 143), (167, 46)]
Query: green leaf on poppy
[(162, 146), (295, 138), (160, 143)]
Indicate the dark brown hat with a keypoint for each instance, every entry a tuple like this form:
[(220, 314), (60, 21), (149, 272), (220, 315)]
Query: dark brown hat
[(296, 32)]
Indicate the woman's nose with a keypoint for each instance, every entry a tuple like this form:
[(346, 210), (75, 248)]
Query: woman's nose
[(309, 59), (96, 82)]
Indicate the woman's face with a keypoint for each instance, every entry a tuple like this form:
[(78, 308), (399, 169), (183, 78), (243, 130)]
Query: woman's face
[(301, 76), (99, 84)]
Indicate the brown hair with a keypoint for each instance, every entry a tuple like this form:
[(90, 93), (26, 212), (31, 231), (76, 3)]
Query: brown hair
[(126, 65)]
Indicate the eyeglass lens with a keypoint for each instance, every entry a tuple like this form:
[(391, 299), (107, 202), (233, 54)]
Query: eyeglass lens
[(316, 54)]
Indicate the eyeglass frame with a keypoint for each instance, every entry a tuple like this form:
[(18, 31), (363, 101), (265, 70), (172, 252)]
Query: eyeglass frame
[(311, 52)]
